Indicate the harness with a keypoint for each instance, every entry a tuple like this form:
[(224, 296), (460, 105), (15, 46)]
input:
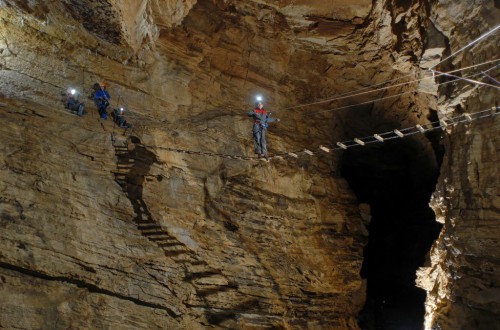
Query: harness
[(261, 112)]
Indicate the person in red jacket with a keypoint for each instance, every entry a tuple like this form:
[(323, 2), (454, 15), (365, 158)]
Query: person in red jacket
[(261, 120)]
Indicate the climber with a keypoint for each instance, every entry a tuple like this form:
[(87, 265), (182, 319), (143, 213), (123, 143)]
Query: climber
[(119, 119), (72, 102), (95, 88), (101, 99), (261, 121)]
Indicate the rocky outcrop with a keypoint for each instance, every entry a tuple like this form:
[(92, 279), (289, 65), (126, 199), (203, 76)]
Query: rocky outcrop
[(461, 280)]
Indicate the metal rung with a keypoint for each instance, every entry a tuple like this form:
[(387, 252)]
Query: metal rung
[(420, 128), (149, 225), (443, 123), (468, 117), (157, 238), (293, 155), (309, 152), (325, 149), (340, 144), (358, 141), (378, 137), (398, 133)]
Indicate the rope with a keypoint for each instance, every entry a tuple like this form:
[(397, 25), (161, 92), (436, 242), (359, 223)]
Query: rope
[(467, 46), (132, 114), (490, 77), (418, 129), (470, 80), (342, 96), (201, 153), (348, 95), (396, 95), (356, 142), (391, 135), (363, 103)]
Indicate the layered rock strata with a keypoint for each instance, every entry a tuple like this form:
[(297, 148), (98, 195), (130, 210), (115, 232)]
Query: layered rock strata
[(110, 228), (462, 277)]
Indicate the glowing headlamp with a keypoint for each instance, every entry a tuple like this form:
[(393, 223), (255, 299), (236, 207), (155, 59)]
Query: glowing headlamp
[(73, 91)]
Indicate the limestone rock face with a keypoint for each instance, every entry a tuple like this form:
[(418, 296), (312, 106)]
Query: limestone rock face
[(462, 278), (174, 223)]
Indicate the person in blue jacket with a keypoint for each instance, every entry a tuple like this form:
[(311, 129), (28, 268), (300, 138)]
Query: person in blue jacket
[(101, 99), (261, 121)]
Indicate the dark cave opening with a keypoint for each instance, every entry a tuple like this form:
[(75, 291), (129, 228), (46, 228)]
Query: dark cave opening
[(396, 179)]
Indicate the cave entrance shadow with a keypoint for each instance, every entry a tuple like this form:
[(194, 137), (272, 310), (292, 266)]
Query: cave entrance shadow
[(396, 179)]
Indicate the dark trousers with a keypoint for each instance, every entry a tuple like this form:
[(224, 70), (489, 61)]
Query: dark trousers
[(75, 106), (101, 107), (259, 139)]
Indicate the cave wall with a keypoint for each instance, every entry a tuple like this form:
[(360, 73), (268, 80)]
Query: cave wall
[(100, 223), (106, 228), (462, 276)]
